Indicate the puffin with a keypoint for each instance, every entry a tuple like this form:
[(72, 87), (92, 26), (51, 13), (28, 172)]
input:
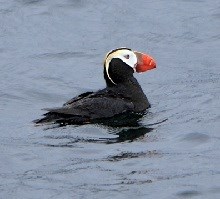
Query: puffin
[(122, 95)]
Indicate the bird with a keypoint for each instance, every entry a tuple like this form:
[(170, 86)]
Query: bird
[(122, 95)]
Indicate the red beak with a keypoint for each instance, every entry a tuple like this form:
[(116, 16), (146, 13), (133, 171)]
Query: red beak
[(144, 62)]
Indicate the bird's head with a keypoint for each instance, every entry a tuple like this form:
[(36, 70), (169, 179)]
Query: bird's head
[(121, 63)]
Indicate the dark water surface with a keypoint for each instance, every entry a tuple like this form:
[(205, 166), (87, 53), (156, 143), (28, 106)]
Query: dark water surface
[(52, 50)]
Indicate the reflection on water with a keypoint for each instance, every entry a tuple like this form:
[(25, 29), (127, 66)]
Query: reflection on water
[(128, 155), (121, 135), (130, 134), (188, 194), (125, 127)]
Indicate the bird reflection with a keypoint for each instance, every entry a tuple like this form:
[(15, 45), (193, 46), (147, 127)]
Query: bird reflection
[(125, 127), (129, 134)]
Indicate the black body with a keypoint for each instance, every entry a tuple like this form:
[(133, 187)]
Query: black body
[(126, 96)]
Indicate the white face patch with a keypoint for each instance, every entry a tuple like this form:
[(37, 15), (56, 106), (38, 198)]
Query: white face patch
[(127, 56)]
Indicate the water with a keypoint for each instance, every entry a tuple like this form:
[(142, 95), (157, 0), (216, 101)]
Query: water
[(53, 50)]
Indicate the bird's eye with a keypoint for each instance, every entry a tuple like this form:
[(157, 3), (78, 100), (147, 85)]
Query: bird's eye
[(127, 56)]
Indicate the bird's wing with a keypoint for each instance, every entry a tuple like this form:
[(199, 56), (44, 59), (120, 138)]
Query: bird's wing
[(78, 98), (95, 107)]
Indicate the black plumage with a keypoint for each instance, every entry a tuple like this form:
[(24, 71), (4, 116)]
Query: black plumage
[(121, 97)]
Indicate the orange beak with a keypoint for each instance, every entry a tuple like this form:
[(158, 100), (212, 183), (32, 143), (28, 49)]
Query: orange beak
[(144, 62)]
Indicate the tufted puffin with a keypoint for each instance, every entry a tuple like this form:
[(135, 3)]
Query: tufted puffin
[(122, 94)]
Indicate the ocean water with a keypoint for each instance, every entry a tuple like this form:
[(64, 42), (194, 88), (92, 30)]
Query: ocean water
[(52, 50)]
